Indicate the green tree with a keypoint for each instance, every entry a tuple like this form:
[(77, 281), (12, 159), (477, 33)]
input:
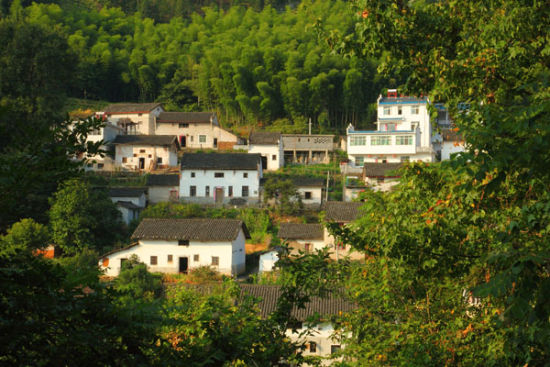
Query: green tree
[(82, 217), (282, 191)]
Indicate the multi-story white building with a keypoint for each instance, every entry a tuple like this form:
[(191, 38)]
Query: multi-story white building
[(404, 133), (106, 134), (197, 130), (220, 178), (134, 118)]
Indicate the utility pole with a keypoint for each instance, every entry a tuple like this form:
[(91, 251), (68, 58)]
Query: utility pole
[(310, 126), (328, 180)]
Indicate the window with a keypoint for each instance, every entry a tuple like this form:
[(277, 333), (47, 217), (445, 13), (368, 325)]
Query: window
[(405, 158), (192, 190), (202, 138), (183, 243), (100, 165), (142, 150), (358, 140), (90, 165), (308, 247), (414, 110), (207, 191), (245, 175), (218, 174), (159, 160), (183, 126), (153, 260), (273, 157), (170, 259), (230, 191), (380, 140), (215, 260), (191, 138), (399, 110), (124, 160), (245, 192), (196, 258), (192, 174), (390, 127), (149, 156), (307, 195), (335, 349), (404, 140), (135, 155), (359, 161), (312, 347), (140, 114), (387, 110)]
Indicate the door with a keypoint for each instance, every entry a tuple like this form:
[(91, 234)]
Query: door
[(142, 163), (215, 142), (182, 141), (264, 163), (184, 265), (219, 194)]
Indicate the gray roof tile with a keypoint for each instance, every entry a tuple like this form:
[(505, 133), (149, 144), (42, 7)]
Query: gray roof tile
[(382, 169), (126, 108), (220, 161), (198, 229), (177, 117), (162, 140), (264, 137), (340, 211), (126, 192), (163, 180), (300, 231)]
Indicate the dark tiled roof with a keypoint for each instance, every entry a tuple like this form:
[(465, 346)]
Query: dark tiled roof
[(163, 180), (308, 181), (122, 108), (203, 229), (331, 305), (176, 117), (300, 231), (340, 211), (220, 161), (382, 169), (450, 135), (128, 205), (126, 192), (403, 99), (162, 140), (119, 249), (264, 137)]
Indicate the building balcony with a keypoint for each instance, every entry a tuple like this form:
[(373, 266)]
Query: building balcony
[(382, 142)]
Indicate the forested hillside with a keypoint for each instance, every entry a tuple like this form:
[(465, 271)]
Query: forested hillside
[(252, 66)]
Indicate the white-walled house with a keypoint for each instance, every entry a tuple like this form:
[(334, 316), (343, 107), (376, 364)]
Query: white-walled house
[(146, 152), (320, 339), (342, 213), (219, 178), (107, 134), (268, 259), (130, 201), (307, 148), (381, 176), (310, 189), (163, 188), (302, 236), (180, 245), (452, 143), (134, 118), (197, 130), (404, 133), (270, 146)]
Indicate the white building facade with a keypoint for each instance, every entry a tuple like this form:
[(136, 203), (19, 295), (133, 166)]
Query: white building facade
[(404, 133), (146, 152), (180, 245), (270, 146), (212, 178), (134, 118)]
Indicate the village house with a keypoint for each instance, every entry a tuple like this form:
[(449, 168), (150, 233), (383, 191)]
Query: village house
[(307, 148), (354, 185), (452, 142), (220, 178), (181, 245), (404, 133), (130, 201), (302, 237), (133, 118), (342, 213), (381, 176), (310, 189), (195, 130), (163, 188), (270, 146), (318, 338), (107, 134), (268, 258), (146, 152)]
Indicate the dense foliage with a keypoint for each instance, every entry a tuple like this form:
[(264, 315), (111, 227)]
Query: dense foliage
[(249, 65)]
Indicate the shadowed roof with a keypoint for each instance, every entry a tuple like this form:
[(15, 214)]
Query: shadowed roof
[(264, 137), (162, 140), (198, 229), (308, 181), (220, 161), (123, 108), (341, 211), (163, 180), (382, 169), (126, 192), (301, 231), (176, 117)]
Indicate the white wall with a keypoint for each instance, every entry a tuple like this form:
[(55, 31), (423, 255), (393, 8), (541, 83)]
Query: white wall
[(159, 194), (233, 178), (422, 118), (267, 261), (145, 121), (269, 151), (448, 148), (316, 194), (231, 256), (194, 131), (128, 215), (322, 334), (149, 153)]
